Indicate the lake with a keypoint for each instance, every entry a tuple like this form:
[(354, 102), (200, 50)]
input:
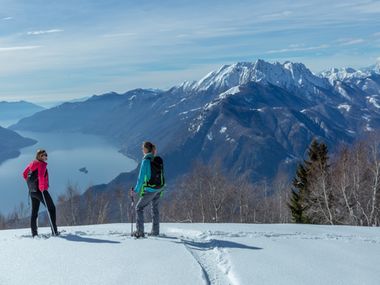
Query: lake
[(68, 152)]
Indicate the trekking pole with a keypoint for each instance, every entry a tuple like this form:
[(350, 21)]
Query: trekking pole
[(51, 224), (132, 211)]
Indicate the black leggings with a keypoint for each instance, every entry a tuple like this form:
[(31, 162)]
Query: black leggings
[(36, 199)]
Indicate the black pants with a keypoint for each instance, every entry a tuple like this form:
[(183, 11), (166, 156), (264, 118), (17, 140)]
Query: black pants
[(36, 199)]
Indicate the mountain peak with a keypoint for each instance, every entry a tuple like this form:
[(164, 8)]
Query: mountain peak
[(376, 68), (348, 73), (288, 75), (342, 74)]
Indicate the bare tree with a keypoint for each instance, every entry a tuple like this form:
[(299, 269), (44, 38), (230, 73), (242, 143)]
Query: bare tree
[(3, 222), (69, 204), (121, 196), (374, 168), (102, 205)]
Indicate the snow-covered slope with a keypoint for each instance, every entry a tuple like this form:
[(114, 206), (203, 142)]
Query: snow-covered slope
[(194, 254)]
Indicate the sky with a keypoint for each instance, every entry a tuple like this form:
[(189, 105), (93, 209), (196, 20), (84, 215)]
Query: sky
[(60, 50)]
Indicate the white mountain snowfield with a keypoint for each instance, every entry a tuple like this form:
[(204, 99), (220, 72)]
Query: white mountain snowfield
[(194, 254)]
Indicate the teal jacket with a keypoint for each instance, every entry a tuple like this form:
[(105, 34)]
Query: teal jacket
[(144, 175)]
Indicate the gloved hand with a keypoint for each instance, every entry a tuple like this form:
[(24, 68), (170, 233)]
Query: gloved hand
[(131, 192)]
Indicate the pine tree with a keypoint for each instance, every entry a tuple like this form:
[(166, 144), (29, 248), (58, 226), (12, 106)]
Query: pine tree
[(297, 203), (304, 200), (320, 201)]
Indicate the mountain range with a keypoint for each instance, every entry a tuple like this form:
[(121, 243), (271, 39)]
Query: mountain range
[(17, 110), (10, 143), (253, 117)]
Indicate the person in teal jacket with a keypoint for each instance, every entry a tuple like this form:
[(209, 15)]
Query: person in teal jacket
[(147, 195)]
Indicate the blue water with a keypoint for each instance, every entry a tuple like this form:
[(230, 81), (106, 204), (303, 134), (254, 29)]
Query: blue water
[(67, 154)]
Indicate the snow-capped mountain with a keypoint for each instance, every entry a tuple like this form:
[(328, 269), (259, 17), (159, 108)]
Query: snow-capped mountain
[(376, 68), (348, 73), (341, 74), (254, 117), (288, 75), (360, 87)]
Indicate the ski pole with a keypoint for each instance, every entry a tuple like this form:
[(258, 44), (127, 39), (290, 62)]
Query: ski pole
[(51, 224), (132, 211)]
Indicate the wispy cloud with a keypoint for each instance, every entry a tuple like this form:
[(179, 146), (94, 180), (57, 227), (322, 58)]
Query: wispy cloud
[(127, 44), (282, 14), (350, 42), (115, 35), (17, 48), (42, 32), (294, 48), (369, 8)]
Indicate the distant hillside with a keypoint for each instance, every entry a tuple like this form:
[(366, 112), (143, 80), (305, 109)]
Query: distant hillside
[(17, 110), (10, 143)]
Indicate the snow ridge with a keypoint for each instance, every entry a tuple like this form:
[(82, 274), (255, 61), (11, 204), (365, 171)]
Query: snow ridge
[(287, 75)]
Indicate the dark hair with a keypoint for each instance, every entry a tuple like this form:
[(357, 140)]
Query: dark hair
[(39, 153), (149, 146)]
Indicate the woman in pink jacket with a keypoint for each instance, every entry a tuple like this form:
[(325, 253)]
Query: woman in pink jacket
[(40, 194)]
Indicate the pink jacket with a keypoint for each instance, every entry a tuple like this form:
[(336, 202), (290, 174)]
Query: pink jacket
[(43, 176)]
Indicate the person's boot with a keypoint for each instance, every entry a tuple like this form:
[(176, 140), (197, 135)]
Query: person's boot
[(55, 232), (138, 234)]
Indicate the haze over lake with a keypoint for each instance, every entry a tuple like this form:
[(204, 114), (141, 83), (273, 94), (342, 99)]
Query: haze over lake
[(68, 152)]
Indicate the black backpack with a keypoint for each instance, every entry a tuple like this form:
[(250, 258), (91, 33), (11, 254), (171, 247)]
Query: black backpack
[(157, 179), (32, 181)]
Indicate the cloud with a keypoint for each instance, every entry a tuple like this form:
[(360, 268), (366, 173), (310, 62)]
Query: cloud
[(35, 33), (17, 48), (282, 14), (369, 8), (115, 35), (118, 46), (296, 48), (7, 18), (350, 42)]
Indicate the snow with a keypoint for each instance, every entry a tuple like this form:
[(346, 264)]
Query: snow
[(215, 102), (194, 254), (369, 128), (231, 91), (287, 75), (376, 68), (349, 77), (373, 101), (223, 130), (345, 107), (342, 91), (342, 74), (192, 110)]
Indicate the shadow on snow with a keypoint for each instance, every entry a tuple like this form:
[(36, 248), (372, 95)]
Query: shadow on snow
[(213, 243), (71, 237)]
